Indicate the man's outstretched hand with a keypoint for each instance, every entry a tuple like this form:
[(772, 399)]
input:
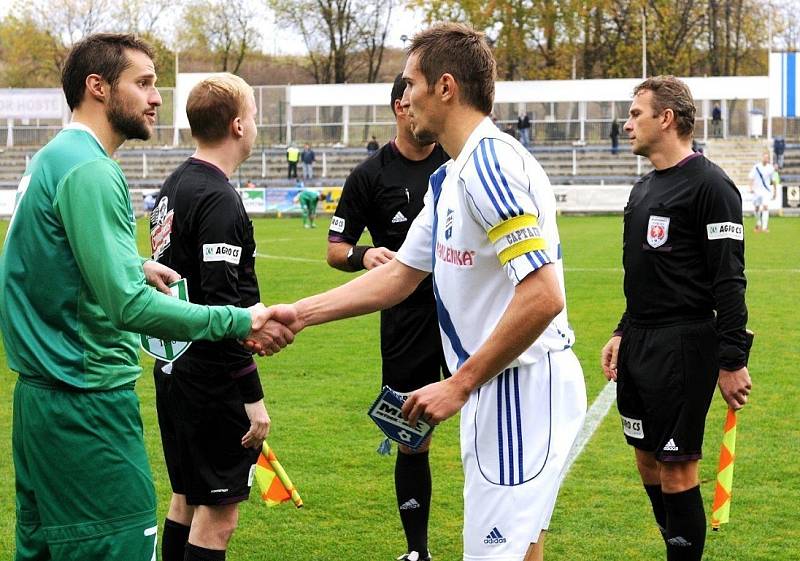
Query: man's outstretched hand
[(272, 328)]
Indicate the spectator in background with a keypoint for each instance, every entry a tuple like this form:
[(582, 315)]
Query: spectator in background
[(524, 129), (716, 121), (614, 137), (250, 184), (779, 147), (308, 158), (292, 156), (372, 146)]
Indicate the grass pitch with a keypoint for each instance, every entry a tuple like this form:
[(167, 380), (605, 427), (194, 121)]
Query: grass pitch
[(318, 391)]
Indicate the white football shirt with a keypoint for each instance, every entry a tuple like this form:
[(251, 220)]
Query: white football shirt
[(489, 221)]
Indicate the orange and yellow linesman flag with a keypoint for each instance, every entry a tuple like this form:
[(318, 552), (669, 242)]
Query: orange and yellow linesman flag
[(720, 511), (274, 484)]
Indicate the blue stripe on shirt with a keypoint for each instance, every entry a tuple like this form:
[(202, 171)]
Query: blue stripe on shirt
[(509, 426), (486, 186), (503, 178), (519, 423), (490, 173), (500, 429)]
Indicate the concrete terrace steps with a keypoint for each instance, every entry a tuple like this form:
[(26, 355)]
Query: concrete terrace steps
[(593, 163)]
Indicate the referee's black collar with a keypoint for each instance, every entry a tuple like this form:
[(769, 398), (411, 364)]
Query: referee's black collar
[(208, 165)]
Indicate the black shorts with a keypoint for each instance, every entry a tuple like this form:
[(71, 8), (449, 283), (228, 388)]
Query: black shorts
[(666, 377), (411, 347), (202, 420)]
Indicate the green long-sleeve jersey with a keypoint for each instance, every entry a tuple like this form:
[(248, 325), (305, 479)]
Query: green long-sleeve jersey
[(73, 295)]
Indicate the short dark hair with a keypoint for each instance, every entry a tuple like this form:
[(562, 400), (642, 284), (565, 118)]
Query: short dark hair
[(397, 90), (671, 93), (102, 54), (459, 50)]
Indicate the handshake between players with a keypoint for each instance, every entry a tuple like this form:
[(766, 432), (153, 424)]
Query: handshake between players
[(275, 326)]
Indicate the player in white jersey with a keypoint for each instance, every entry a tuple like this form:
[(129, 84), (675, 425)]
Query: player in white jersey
[(489, 235), (761, 186)]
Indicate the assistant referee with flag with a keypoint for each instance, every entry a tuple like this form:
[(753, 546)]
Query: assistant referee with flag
[(683, 330)]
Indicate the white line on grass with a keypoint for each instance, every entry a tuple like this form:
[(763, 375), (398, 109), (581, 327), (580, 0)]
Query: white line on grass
[(619, 270), (286, 258), (594, 416), (567, 269)]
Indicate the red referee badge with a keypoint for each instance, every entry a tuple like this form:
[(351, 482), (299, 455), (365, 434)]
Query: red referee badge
[(657, 230)]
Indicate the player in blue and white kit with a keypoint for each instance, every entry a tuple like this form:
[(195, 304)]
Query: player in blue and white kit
[(761, 185), (488, 233)]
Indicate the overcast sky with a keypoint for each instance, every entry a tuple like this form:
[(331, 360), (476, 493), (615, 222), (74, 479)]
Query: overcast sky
[(278, 40)]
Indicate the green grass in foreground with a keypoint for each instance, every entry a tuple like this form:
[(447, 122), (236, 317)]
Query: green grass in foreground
[(318, 391)]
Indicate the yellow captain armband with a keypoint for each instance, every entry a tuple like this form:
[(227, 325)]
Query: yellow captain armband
[(516, 236)]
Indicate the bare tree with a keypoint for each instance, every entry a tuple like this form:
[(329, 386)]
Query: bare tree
[(143, 17), (373, 36), (342, 36), (786, 26), (226, 28), (70, 22)]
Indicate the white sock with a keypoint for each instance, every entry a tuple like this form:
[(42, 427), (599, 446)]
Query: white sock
[(765, 219)]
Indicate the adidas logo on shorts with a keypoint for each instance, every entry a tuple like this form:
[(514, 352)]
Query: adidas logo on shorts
[(494, 537), (670, 446), (399, 217), (410, 504)]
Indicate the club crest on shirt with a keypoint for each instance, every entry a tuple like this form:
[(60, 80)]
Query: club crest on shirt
[(163, 349), (161, 228), (657, 230), (448, 224)]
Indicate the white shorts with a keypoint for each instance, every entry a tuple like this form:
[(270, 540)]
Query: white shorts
[(759, 200), (516, 433)]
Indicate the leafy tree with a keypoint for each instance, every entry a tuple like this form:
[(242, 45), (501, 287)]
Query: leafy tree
[(26, 52)]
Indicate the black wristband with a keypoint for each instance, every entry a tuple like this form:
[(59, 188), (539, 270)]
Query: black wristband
[(356, 258)]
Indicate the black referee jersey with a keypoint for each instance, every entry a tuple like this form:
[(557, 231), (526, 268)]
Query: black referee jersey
[(683, 252), (384, 194), (200, 228)]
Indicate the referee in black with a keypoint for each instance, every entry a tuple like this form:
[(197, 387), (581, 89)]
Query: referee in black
[(384, 194), (210, 405), (683, 330)]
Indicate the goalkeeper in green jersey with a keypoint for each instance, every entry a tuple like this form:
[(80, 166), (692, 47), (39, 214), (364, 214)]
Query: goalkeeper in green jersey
[(308, 199), (74, 295)]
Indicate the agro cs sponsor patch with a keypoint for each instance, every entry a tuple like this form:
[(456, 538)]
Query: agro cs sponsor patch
[(222, 252), (722, 230), (632, 427), (337, 224)]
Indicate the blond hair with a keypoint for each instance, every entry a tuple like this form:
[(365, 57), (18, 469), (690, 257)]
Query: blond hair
[(213, 103)]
